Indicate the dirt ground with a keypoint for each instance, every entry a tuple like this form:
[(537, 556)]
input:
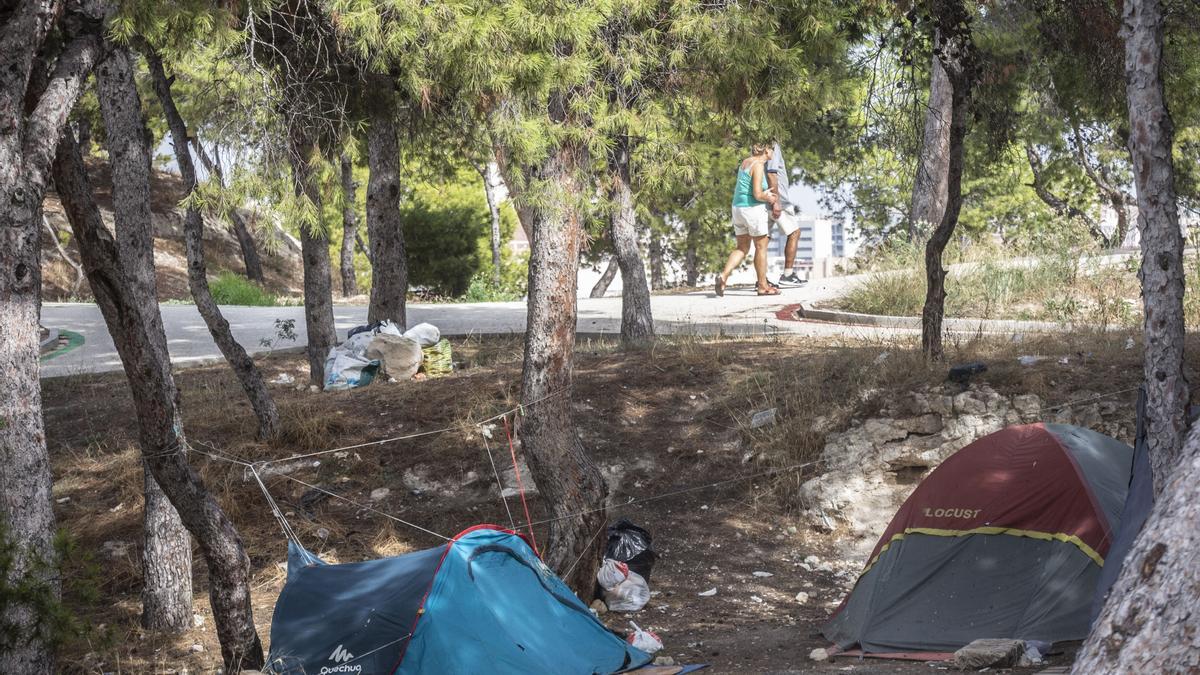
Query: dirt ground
[(657, 421)]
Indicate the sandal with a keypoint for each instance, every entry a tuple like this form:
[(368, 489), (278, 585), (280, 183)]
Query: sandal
[(771, 290), (720, 286)]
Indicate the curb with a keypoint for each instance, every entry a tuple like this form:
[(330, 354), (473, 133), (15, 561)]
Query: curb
[(799, 313)]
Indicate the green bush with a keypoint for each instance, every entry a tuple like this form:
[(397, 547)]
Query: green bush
[(234, 289)]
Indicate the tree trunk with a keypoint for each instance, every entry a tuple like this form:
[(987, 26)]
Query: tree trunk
[(657, 269), (637, 322), (955, 49), (228, 565), (1150, 141), (930, 185), (250, 257), (569, 482), (243, 366), (30, 580), (691, 257), (606, 278), (1058, 204), (389, 266), (349, 229), (167, 558), (489, 173), (314, 250), (1148, 624)]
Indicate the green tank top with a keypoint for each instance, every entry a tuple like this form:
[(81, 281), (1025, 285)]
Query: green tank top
[(743, 193)]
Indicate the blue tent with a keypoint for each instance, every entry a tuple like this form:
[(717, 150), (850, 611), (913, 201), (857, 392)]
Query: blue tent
[(484, 602)]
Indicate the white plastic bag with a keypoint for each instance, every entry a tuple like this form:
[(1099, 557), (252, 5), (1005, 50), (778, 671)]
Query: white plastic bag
[(624, 591), (344, 370), (424, 334), (389, 328), (644, 639)]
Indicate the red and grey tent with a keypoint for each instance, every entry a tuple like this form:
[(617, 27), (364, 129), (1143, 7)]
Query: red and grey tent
[(1005, 539)]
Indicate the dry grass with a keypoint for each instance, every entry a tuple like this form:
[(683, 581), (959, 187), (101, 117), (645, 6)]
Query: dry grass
[(672, 416)]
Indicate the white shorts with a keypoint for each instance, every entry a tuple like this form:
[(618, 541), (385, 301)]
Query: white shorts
[(788, 222), (751, 220)]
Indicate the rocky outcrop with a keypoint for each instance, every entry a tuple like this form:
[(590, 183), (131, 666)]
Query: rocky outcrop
[(872, 467)]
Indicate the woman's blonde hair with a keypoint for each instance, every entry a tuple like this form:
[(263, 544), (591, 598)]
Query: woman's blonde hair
[(759, 148)]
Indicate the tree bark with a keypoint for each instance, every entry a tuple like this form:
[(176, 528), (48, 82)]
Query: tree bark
[(488, 172), (1148, 623), (691, 257), (314, 250), (239, 361), (606, 278), (956, 50), (657, 269), (349, 229), (1150, 142), (167, 557), (569, 482), (31, 577), (1117, 198), (228, 565), (80, 277), (931, 183), (250, 258), (637, 321), (389, 265)]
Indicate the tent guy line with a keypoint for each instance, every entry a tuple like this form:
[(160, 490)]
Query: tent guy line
[(528, 524), (519, 409)]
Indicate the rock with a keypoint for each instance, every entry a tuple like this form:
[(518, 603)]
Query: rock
[(379, 494), (664, 661), (322, 533), (819, 654), (115, 549), (812, 560), (989, 653), (399, 357), (762, 418), (313, 388), (802, 597), (708, 594), (599, 607), (197, 648)]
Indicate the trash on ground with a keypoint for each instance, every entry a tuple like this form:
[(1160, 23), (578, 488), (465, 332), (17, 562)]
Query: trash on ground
[(398, 356), (1028, 360), (709, 593), (644, 639), (630, 544), (819, 654), (283, 378), (762, 418), (624, 589), (883, 356), (424, 334), (437, 360), (964, 372)]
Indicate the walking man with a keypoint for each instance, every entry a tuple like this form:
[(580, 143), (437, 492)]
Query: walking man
[(785, 213)]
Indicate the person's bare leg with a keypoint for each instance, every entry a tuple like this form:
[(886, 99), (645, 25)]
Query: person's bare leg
[(736, 256), (760, 261), (789, 251)]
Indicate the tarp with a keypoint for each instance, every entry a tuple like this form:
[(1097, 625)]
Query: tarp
[(484, 602), (1005, 539)]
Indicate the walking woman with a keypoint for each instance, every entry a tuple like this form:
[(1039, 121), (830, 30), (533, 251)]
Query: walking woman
[(751, 219)]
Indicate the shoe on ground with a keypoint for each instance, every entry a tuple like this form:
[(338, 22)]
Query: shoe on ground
[(792, 279)]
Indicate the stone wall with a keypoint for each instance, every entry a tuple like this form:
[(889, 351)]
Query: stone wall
[(872, 467)]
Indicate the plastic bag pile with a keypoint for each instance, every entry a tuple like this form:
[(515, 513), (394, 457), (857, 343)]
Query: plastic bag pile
[(382, 349)]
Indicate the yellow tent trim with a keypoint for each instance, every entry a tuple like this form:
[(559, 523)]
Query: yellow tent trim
[(1033, 534)]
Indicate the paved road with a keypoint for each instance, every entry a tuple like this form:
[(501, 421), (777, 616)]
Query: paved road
[(740, 311)]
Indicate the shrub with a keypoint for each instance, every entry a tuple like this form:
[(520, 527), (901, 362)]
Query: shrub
[(234, 289)]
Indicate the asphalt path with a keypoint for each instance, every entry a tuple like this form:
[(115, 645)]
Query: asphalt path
[(741, 311)]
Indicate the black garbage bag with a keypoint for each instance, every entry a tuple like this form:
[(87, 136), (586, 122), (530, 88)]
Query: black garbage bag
[(630, 544)]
